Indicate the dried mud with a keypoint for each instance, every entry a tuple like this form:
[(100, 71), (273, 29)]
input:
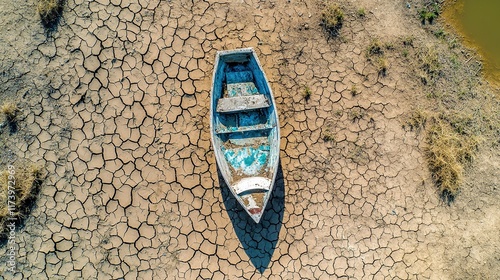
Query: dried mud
[(115, 104)]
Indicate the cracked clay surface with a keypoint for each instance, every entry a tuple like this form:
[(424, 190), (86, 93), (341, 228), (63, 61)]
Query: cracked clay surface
[(117, 107)]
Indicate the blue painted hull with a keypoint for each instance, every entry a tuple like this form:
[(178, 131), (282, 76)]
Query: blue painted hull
[(245, 129)]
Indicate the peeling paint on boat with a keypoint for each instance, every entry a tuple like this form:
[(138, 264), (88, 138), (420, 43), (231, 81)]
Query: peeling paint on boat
[(247, 160), (244, 130)]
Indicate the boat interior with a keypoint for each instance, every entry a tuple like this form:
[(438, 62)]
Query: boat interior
[(244, 122)]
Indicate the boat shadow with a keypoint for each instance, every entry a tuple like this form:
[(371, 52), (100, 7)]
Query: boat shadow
[(258, 240)]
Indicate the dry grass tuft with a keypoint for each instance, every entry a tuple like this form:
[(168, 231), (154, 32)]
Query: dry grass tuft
[(50, 11), (448, 153), (375, 48), (307, 93), (332, 19), (27, 181), (9, 110), (375, 53), (356, 114), (429, 62), (328, 136), (416, 120), (381, 65), (355, 91)]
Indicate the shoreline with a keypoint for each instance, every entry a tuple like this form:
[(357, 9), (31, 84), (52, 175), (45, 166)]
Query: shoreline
[(451, 21)]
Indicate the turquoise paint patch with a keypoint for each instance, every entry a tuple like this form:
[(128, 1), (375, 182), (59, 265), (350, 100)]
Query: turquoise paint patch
[(247, 160), (241, 89)]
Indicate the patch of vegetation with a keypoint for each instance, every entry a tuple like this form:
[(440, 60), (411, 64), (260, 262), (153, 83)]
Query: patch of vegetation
[(460, 113), (375, 53), (429, 12), (356, 113), (50, 12), (332, 19), (10, 111), (448, 151), (19, 184), (429, 63), (357, 153), (439, 33), (375, 48), (416, 120), (307, 93), (328, 136), (452, 141), (408, 41), (354, 90), (389, 46), (381, 64), (361, 12)]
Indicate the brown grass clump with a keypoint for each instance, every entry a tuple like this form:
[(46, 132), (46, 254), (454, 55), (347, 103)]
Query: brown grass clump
[(375, 48), (449, 150), (50, 11), (26, 182), (416, 120), (381, 64), (332, 19), (429, 63), (452, 141), (375, 53), (356, 113), (9, 110)]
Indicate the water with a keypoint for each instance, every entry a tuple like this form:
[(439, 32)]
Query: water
[(479, 22)]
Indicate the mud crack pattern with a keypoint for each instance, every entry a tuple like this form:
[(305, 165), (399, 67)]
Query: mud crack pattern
[(132, 188)]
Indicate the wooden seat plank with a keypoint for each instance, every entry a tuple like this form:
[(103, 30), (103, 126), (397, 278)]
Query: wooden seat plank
[(242, 103)]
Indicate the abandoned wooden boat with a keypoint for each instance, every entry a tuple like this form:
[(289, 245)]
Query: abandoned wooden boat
[(244, 128)]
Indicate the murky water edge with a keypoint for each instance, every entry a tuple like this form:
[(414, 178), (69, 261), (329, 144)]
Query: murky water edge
[(478, 22)]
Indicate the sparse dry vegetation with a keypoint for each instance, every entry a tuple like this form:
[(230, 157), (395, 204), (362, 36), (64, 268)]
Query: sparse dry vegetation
[(452, 140), (354, 90), (356, 113), (26, 182), (449, 150), (460, 115), (307, 93), (332, 19), (375, 48), (430, 65), (375, 53), (50, 11), (328, 136), (357, 153), (415, 120), (381, 65), (361, 12), (408, 41), (9, 110)]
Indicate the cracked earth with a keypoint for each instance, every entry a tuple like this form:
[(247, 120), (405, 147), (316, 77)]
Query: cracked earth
[(115, 105)]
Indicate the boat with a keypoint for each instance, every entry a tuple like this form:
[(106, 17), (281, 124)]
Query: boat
[(244, 127)]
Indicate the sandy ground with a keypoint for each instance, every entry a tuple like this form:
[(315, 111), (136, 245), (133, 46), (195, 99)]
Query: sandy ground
[(115, 104)]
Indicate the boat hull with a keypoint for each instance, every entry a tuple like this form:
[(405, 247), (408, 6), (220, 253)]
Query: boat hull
[(244, 128)]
